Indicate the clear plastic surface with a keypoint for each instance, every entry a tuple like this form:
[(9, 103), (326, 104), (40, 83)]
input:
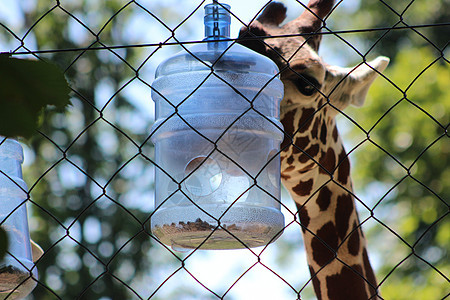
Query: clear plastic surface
[(217, 138), (17, 267)]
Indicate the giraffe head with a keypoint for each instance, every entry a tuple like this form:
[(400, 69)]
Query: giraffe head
[(313, 89)]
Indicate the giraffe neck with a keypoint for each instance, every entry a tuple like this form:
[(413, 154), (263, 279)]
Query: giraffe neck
[(334, 242)]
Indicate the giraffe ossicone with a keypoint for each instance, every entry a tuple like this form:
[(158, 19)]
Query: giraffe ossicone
[(315, 168)]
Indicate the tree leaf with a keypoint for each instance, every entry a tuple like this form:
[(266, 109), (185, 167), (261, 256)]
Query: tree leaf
[(26, 88)]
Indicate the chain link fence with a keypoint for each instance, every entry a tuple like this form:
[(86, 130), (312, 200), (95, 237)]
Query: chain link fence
[(90, 170)]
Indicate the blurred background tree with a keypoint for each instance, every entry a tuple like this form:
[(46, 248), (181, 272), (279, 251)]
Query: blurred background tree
[(85, 165)]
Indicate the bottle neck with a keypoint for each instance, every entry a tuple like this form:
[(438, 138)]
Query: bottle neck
[(217, 21)]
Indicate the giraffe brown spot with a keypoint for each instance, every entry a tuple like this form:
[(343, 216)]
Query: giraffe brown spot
[(344, 209), (335, 133), (370, 276), (327, 162), (307, 168), (348, 284), (303, 158), (303, 188), (300, 144), (354, 241), (289, 169), (324, 245), (344, 167), (306, 119), (316, 283), (303, 216), (285, 176), (323, 133), (324, 198), (315, 128), (312, 151), (290, 160), (288, 124)]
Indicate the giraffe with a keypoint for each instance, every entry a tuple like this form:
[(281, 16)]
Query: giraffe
[(315, 168)]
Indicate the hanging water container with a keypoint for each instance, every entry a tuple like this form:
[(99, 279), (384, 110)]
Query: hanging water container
[(18, 274), (217, 138)]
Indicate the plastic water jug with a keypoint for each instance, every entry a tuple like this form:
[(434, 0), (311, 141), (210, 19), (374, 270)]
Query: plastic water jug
[(217, 136), (16, 268)]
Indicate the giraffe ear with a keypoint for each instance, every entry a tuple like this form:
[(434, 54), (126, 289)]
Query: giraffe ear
[(352, 84), (312, 19), (272, 16)]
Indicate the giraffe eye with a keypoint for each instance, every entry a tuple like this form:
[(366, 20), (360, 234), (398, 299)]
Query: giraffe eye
[(306, 85)]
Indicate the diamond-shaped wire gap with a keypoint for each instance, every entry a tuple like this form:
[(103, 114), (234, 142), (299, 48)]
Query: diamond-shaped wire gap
[(122, 253), (340, 22), (96, 269), (53, 10), (11, 21), (269, 257), (350, 48), (107, 64), (260, 282), (407, 121), (167, 277), (9, 40), (134, 184), (92, 14), (159, 53), (43, 289), (288, 247), (113, 29), (184, 23), (121, 113), (62, 243), (203, 265), (432, 75), (133, 252), (415, 18), (432, 256), (119, 53), (118, 14), (105, 204), (79, 32), (400, 226), (103, 241), (54, 283), (428, 282), (140, 23), (62, 175)]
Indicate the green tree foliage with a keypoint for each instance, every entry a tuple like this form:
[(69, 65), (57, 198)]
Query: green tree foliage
[(394, 14), (403, 163)]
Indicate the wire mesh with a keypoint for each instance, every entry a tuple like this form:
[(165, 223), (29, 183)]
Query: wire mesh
[(90, 170)]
